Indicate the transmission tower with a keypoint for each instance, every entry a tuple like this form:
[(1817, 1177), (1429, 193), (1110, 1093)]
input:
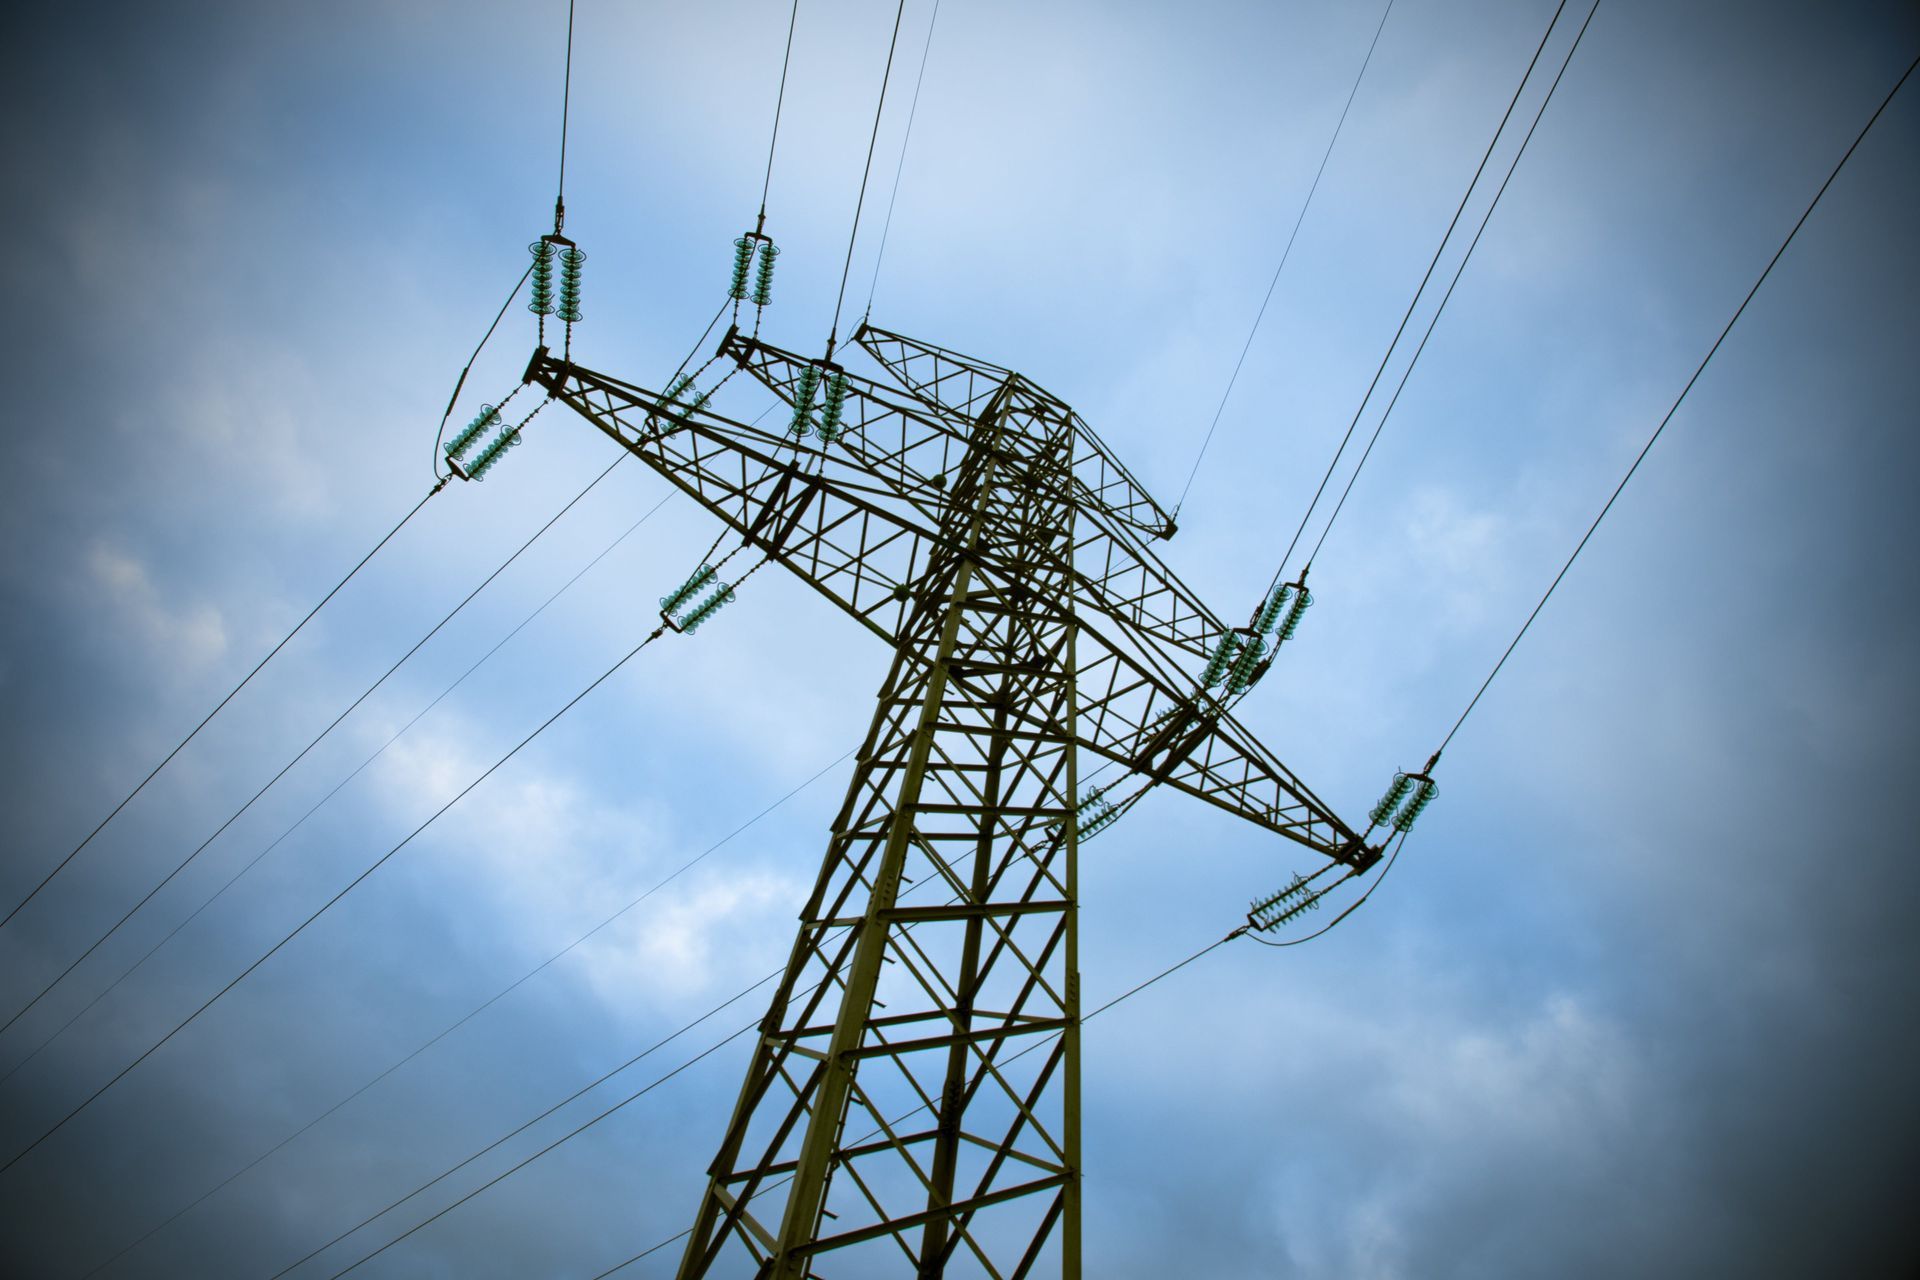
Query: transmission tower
[(914, 1091)]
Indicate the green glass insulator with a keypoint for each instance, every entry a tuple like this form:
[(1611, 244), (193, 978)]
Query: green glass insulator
[(669, 403), (1403, 821), (803, 391), (675, 389), (1395, 793), (1301, 600), (1240, 675), (763, 281), (541, 303), (1277, 908), (1269, 617), (1179, 716), (571, 260), (680, 594), (491, 454), (830, 429), (1222, 656), (742, 264), (458, 446), (721, 597)]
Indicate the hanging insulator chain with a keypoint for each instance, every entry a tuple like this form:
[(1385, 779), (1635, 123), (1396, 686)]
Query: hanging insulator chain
[(1422, 788), (722, 596), (1222, 659), (1266, 620), (803, 392), (682, 593), (1302, 600), (670, 403), (1094, 814), (1395, 793), (763, 281), (1269, 913), (541, 301), (571, 260), (507, 439), (1106, 817), (742, 267), (1182, 712), (744, 249), (830, 427), (1403, 821), (457, 447), (1279, 614), (1240, 674)]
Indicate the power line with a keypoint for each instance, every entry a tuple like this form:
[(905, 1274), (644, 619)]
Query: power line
[(351, 885), (1678, 400), (779, 102), (317, 739), (1458, 271), (1492, 142), (335, 590), (853, 235), (337, 788), (471, 1014), (460, 382), (566, 102), (1284, 255), (584, 1089), (575, 1132), (506, 1137), (899, 168), (1352, 907), (1132, 991), (128, 972)]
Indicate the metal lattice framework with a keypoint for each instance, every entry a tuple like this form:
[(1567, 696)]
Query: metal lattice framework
[(914, 1090)]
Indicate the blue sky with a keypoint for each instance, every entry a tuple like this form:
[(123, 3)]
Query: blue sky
[(1638, 996)]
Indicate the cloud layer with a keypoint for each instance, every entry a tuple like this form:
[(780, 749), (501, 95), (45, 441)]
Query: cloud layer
[(1636, 1000)]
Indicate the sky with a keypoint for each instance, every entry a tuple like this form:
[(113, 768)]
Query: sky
[(1636, 998)]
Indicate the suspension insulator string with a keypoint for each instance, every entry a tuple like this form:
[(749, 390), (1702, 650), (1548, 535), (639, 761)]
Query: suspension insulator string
[(489, 416), (807, 382), (489, 457)]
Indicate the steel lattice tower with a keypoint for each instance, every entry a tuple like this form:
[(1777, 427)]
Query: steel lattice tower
[(912, 1105)]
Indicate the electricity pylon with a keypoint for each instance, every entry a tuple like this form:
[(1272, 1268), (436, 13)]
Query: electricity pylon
[(914, 1091)]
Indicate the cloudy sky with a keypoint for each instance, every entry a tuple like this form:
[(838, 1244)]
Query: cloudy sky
[(1637, 997)]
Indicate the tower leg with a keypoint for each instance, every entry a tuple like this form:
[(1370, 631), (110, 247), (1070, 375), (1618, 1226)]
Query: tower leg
[(914, 1090)]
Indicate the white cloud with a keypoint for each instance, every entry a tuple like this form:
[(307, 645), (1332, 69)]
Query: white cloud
[(192, 636), (552, 858)]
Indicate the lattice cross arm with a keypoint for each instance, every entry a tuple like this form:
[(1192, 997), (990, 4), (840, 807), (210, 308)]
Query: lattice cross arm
[(963, 383), (850, 539)]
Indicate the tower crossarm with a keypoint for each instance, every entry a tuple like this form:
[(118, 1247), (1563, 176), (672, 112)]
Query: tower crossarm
[(1139, 712), (858, 518), (826, 522), (911, 445), (965, 383)]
